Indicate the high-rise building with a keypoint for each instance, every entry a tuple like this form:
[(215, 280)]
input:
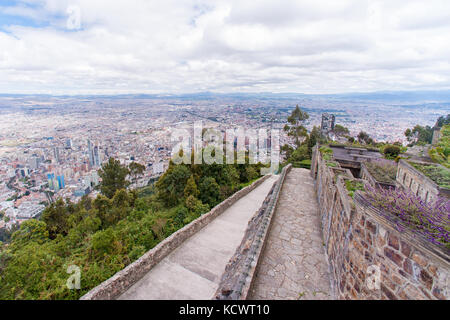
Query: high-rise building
[(96, 157), (61, 183), (69, 143), (34, 162), (90, 153), (56, 154), (50, 179), (327, 124), (94, 154), (24, 172), (95, 179)]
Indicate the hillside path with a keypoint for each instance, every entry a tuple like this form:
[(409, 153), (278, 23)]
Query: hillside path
[(293, 264), (193, 270)]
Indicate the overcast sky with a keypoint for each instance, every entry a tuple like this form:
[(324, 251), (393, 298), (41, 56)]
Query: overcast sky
[(179, 46)]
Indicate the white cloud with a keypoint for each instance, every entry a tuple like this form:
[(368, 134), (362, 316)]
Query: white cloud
[(237, 45)]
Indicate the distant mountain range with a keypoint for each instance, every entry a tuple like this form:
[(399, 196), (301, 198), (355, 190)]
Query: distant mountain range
[(380, 96)]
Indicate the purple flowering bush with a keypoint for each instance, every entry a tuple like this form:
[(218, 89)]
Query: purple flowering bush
[(405, 209)]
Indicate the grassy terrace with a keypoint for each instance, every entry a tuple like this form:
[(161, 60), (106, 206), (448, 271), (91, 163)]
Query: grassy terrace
[(327, 153), (352, 186), (382, 170), (440, 175), (354, 145)]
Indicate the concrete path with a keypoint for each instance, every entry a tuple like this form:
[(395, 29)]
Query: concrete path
[(193, 270), (293, 264)]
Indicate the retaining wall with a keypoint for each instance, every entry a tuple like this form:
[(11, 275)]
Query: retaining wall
[(366, 175), (362, 246), (124, 279), (412, 179)]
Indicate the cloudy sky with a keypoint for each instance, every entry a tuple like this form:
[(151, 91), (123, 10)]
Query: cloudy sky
[(179, 46)]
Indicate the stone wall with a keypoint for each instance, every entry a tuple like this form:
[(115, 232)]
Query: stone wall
[(239, 273), (363, 247), (124, 279), (236, 271), (366, 175), (410, 178)]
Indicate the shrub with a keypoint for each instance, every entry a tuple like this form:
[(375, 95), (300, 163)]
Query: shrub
[(137, 252), (352, 186), (438, 174), (31, 230), (103, 241), (209, 191), (441, 152), (382, 170), (326, 152), (306, 164), (332, 164), (391, 151), (405, 209)]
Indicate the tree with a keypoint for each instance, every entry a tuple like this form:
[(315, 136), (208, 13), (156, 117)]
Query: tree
[(113, 176), (441, 152), (340, 130), (407, 133), (419, 135), (363, 137), (295, 127), (191, 188), (251, 173), (442, 121), (103, 241), (180, 215), (121, 207), (286, 150), (31, 230), (136, 170), (209, 191), (313, 139), (299, 154), (170, 187), (391, 151), (56, 219)]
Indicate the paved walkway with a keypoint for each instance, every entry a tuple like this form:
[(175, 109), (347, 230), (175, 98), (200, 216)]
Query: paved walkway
[(293, 264), (193, 270)]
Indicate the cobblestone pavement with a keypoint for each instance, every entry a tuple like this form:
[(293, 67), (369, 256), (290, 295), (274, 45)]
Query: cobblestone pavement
[(293, 265)]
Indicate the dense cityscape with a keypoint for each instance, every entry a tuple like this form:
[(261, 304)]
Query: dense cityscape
[(52, 147)]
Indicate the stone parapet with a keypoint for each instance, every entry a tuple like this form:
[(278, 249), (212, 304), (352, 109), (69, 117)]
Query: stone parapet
[(124, 279), (237, 280)]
